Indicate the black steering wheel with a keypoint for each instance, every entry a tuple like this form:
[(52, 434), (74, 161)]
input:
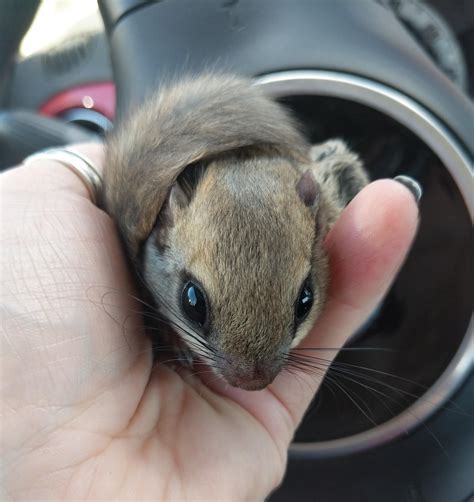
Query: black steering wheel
[(15, 20)]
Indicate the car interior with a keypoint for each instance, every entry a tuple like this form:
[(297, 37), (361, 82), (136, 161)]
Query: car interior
[(394, 418)]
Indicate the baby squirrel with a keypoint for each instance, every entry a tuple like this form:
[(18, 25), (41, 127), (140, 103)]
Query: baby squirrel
[(223, 208)]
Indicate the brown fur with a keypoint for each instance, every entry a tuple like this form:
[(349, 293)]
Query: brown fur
[(185, 122), (249, 228)]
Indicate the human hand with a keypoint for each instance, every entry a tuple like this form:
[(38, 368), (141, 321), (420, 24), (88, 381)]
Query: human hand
[(84, 412)]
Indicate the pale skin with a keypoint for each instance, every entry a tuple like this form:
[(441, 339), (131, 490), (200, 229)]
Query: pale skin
[(85, 415)]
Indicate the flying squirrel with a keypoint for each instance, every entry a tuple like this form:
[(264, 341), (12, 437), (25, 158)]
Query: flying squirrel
[(223, 208)]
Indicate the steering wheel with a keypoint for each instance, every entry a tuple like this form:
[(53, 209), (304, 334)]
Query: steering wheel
[(14, 23)]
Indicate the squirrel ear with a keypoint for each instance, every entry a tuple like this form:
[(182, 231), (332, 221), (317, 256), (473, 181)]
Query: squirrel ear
[(308, 190), (179, 197), (184, 188)]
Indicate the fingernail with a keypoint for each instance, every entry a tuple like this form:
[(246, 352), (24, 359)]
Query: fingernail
[(412, 185)]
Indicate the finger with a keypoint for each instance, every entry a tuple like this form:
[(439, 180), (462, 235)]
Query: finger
[(366, 248), (55, 177), (95, 152)]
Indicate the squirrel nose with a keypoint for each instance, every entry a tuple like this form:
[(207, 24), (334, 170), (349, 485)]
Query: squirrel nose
[(258, 369), (254, 375)]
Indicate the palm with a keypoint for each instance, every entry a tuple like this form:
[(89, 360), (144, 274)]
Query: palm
[(84, 410)]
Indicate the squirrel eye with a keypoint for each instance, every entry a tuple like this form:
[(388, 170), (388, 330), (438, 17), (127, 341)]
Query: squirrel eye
[(305, 302), (193, 303)]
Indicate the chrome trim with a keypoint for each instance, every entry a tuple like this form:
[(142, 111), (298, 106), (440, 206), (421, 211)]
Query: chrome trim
[(93, 117), (437, 136)]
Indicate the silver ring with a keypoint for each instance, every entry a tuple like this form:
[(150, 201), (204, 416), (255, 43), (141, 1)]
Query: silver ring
[(76, 162)]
